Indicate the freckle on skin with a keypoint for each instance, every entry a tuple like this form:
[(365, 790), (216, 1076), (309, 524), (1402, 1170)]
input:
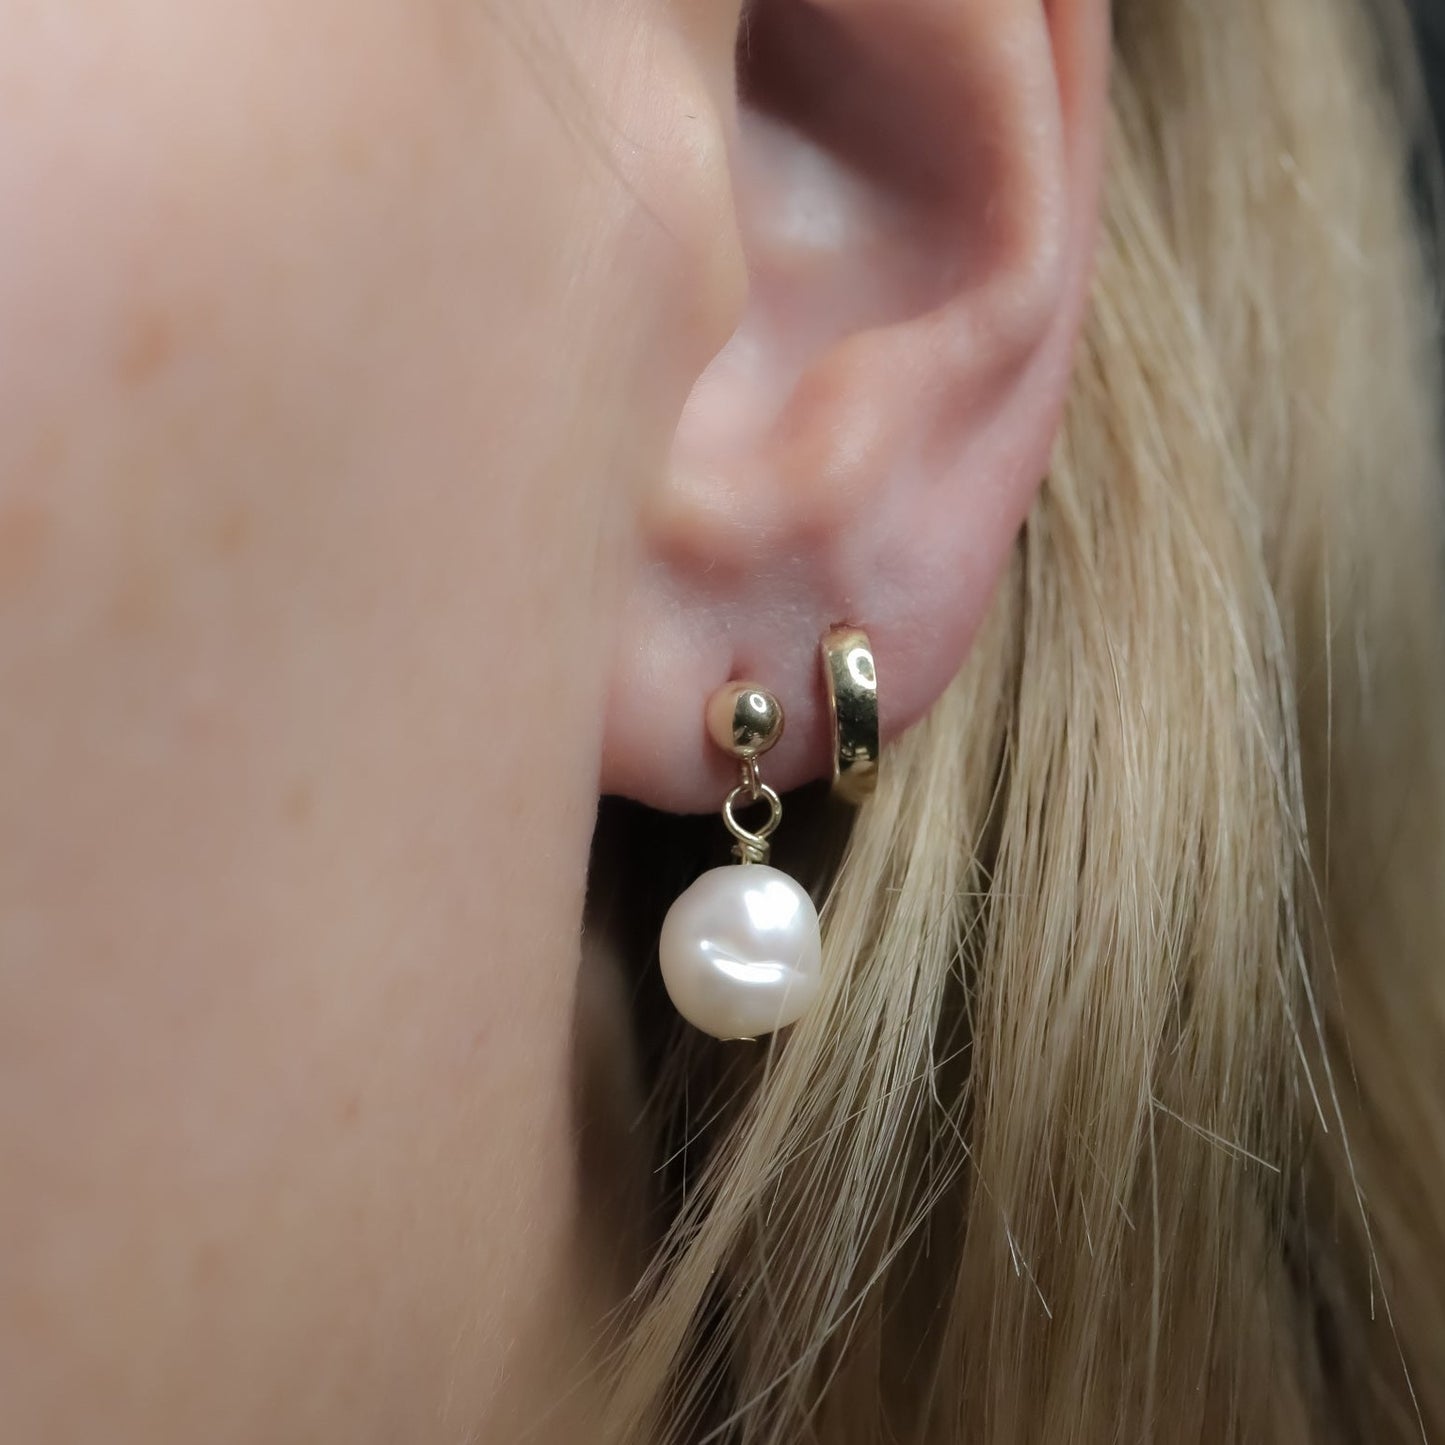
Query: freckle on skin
[(356, 153), (25, 528), (299, 805), (233, 532), (148, 343)]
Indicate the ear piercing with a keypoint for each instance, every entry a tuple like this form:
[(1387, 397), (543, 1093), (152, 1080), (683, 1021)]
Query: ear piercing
[(741, 950)]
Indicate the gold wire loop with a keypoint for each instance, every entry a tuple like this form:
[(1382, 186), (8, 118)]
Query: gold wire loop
[(752, 779), (753, 846)]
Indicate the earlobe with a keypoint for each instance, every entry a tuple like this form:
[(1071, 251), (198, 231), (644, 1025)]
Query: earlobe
[(915, 184)]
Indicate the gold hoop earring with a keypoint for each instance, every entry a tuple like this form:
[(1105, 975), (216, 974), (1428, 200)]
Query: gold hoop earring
[(741, 951), (850, 678)]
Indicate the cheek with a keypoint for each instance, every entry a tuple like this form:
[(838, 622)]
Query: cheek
[(323, 343), (285, 402), (287, 218), (345, 244)]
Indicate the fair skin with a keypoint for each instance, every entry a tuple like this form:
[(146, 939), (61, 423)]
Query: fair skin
[(408, 414)]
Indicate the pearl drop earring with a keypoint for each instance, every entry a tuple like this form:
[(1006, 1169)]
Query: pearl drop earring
[(741, 950)]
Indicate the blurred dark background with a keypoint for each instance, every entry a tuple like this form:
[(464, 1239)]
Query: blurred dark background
[(1430, 23)]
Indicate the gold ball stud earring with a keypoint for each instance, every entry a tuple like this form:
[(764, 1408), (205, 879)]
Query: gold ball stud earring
[(745, 720), (741, 951)]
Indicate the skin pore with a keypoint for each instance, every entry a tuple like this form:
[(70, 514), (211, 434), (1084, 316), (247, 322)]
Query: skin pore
[(342, 346)]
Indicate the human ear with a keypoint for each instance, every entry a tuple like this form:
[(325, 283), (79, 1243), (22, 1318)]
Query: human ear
[(914, 186)]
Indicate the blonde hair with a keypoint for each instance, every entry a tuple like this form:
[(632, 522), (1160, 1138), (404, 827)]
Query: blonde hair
[(1123, 1117)]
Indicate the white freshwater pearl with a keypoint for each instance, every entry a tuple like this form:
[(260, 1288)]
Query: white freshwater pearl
[(741, 952)]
